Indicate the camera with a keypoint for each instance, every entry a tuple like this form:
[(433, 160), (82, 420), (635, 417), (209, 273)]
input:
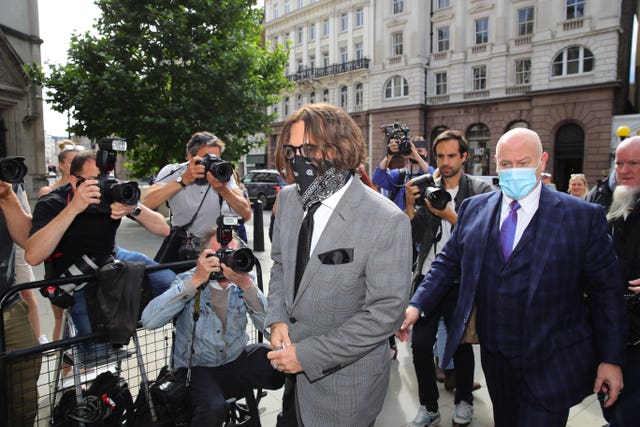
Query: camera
[(12, 169), (112, 190), (401, 133), (220, 169), (240, 260), (438, 197)]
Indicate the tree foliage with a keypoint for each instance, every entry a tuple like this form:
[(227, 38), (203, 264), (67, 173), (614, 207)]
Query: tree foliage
[(159, 70)]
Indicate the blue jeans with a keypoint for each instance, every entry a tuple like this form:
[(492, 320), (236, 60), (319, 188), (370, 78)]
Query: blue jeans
[(160, 280), (441, 343)]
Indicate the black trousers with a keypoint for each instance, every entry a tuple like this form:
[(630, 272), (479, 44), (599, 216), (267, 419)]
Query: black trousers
[(423, 337), (211, 386)]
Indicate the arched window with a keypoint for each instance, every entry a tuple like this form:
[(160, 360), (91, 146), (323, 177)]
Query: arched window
[(396, 87), (478, 160), (299, 101), (285, 110), (359, 95), (568, 153), (343, 97), (325, 95), (573, 60), (312, 97)]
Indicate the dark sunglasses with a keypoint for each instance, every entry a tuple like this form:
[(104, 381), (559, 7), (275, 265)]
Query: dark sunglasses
[(305, 150)]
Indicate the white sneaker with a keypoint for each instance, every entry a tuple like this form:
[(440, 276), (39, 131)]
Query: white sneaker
[(463, 412), (425, 418), (42, 339)]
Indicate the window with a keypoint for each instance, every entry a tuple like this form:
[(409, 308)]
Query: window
[(325, 59), (312, 61), (482, 30), (344, 22), (396, 87), (398, 6), (441, 4), (343, 97), (275, 13), (523, 71), (325, 95), (312, 97), (299, 101), (276, 40), (359, 96), (575, 9), (443, 39), (286, 6), (396, 44), (573, 60), (478, 137), (441, 83), (287, 38), (299, 66), (300, 35), (525, 21), (343, 55), (480, 77), (286, 107), (359, 17), (325, 27), (300, 4), (359, 50), (312, 32)]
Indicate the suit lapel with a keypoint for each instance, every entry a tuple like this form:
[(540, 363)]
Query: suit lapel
[(337, 227), (484, 215), (550, 220)]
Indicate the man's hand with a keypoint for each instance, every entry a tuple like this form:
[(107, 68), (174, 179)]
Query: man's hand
[(448, 213), (284, 359), (411, 316), (118, 210), (393, 146), (195, 170), (87, 193), (279, 335), (634, 285), (219, 186), (608, 380), (206, 264), (5, 190), (243, 280)]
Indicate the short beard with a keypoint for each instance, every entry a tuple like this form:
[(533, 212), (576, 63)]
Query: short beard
[(624, 200)]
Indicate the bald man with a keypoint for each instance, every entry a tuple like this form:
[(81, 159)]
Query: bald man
[(526, 256)]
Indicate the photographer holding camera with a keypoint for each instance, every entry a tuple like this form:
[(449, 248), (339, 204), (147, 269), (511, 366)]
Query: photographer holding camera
[(211, 303), (22, 374), (432, 205), (413, 153), (199, 190), (74, 226)]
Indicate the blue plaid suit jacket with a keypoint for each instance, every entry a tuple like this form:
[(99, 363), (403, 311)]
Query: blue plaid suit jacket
[(573, 256)]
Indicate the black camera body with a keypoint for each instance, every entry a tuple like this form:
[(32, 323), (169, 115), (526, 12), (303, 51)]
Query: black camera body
[(402, 134), (220, 169), (438, 197), (12, 169), (241, 260), (111, 190)]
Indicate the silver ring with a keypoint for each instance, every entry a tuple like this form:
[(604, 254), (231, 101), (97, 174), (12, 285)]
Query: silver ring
[(274, 364)]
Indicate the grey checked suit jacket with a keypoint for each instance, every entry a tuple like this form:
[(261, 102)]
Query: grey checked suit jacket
[(343, 313)]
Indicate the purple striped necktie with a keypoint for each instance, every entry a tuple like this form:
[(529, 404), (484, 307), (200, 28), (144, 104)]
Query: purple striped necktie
[(508, 230)]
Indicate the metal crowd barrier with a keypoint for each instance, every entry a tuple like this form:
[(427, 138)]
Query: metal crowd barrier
[(155, 349)]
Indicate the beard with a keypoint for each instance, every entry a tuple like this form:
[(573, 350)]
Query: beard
[(625, 199)]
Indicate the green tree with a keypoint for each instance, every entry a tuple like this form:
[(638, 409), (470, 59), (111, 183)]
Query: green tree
[(159, 70)]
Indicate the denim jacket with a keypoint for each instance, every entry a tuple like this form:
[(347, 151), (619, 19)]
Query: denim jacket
[(213, 345)]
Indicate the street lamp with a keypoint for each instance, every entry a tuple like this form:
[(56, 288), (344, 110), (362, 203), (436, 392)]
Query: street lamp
[(623, 132)]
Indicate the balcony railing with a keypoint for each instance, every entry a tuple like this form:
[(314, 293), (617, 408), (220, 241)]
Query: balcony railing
[(513, 90), (438, 99), (476, 94), (573, 24), (330, 70), (522, 40)]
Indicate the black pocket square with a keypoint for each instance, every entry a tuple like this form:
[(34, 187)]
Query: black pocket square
[(337, 256)]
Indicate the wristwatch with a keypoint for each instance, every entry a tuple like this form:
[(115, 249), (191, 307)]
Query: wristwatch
[(179, 181), (136, 211)]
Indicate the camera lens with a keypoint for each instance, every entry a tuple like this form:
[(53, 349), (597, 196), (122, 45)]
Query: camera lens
[(242, 260), (438, 197), (12, 169)]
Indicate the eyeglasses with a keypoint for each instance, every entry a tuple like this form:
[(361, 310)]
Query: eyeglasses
[(306, 150)]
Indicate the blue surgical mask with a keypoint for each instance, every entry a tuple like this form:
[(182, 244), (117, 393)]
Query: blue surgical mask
[(518, 182)]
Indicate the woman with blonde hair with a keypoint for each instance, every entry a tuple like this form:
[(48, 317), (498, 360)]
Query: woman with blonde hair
[(578, 185)]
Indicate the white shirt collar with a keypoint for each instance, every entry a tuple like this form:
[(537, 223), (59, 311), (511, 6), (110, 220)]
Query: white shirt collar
[(529, 203)]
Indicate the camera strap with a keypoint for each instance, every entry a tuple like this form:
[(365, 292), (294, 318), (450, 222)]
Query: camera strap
[(196, 316), (193, 218)]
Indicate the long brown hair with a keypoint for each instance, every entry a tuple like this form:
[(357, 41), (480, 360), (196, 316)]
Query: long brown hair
[(333, 130)]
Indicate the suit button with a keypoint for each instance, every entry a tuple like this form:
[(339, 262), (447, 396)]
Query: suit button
[(292, 319)]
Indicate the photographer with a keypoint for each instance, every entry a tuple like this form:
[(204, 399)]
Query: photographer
[(22, 374), (432, 223), (415, 164), (74, 228), (199, 190), (214, 345)]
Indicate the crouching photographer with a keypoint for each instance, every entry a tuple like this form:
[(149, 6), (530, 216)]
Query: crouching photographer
[(210, 304), (74, 228)]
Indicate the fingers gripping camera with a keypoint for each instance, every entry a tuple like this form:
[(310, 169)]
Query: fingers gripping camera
[(438, 197)]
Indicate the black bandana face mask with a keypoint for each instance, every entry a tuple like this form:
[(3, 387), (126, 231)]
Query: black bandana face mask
[(312, 187)]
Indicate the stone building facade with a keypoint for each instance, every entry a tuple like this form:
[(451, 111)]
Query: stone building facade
[(559, 67)]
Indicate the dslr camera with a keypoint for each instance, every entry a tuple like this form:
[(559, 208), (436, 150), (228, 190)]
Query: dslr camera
[(111, 190), (220, 169), (402, 134), (12, 169), (438, 197), (241, 260)]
